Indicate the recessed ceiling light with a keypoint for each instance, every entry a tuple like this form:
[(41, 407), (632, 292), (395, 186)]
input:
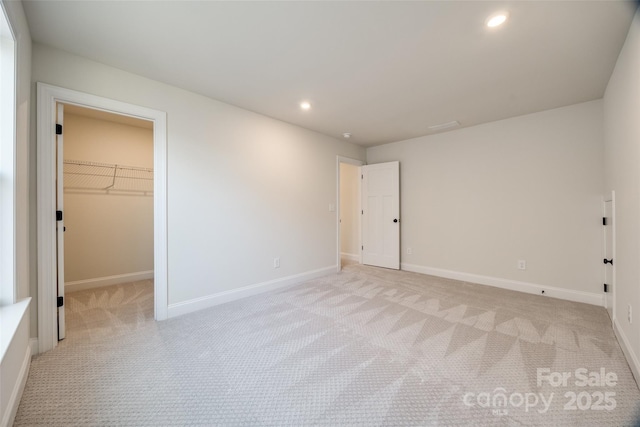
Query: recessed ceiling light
[(305, 105), (497, 19), (346, 135)]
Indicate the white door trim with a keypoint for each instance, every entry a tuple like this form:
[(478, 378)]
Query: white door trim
[(612, 287), (355, 162), (47, 98)]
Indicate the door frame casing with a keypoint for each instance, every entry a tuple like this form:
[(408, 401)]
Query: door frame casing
[(47, 98), (610, 198), (359, 163)]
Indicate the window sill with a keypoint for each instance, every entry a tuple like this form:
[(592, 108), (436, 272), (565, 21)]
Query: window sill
[(10, 318)]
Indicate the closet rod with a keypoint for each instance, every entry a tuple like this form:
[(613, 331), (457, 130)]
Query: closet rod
[(108, 177)]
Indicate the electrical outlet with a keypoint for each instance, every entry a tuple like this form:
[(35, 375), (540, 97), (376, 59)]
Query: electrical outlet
[(629, 313), (409, 251), (276, 263), (332, 208), (522, 264)]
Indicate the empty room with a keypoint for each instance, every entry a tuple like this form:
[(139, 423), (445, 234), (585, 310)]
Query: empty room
[(319, 213)]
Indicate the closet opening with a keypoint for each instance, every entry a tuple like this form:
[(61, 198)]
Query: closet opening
[(106, 167)]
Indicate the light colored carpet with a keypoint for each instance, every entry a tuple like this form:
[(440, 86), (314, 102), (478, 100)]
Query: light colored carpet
[(365, 346)]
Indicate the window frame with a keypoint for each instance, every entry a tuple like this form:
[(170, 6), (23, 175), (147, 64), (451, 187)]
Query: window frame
[(8, 61)]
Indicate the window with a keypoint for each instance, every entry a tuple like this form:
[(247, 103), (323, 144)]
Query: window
[(7, 161)]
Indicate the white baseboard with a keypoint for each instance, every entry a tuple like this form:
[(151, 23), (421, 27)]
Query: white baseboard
[(33, 343), (530, 288), (98, 282), (196, 304), (629, 354), (351, 257), (16, 394)]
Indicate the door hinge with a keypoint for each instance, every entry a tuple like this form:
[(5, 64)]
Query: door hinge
[(362, 212), (606, 287), (604, 220), (58, 129), (58, 215), (362, 176), (363, 248), (60, 301)]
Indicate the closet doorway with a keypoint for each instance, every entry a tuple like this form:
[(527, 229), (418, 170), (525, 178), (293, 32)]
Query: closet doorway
[(50, 258), (349, 212), (106, 248)]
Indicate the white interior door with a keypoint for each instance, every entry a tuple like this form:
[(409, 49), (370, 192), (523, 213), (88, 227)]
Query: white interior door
[(60, 218), (381, 215), (608, 256)]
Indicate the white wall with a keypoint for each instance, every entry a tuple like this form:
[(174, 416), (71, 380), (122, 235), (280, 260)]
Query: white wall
[(107, 234), (349, 214), (478, 199), (622, 174), (98, 140), (242, 188)]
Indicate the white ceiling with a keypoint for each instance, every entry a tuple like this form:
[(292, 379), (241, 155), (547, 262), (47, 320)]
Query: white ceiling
[(384, 71)]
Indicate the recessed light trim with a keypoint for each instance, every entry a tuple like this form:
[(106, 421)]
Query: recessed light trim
[(497, 19), (346, 135), (305, 105)]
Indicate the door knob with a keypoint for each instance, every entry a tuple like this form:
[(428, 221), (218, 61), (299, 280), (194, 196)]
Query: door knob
[(395, 220), (608, 261)]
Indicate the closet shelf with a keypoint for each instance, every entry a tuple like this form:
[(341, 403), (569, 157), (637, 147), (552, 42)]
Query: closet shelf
[(81, 176)]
